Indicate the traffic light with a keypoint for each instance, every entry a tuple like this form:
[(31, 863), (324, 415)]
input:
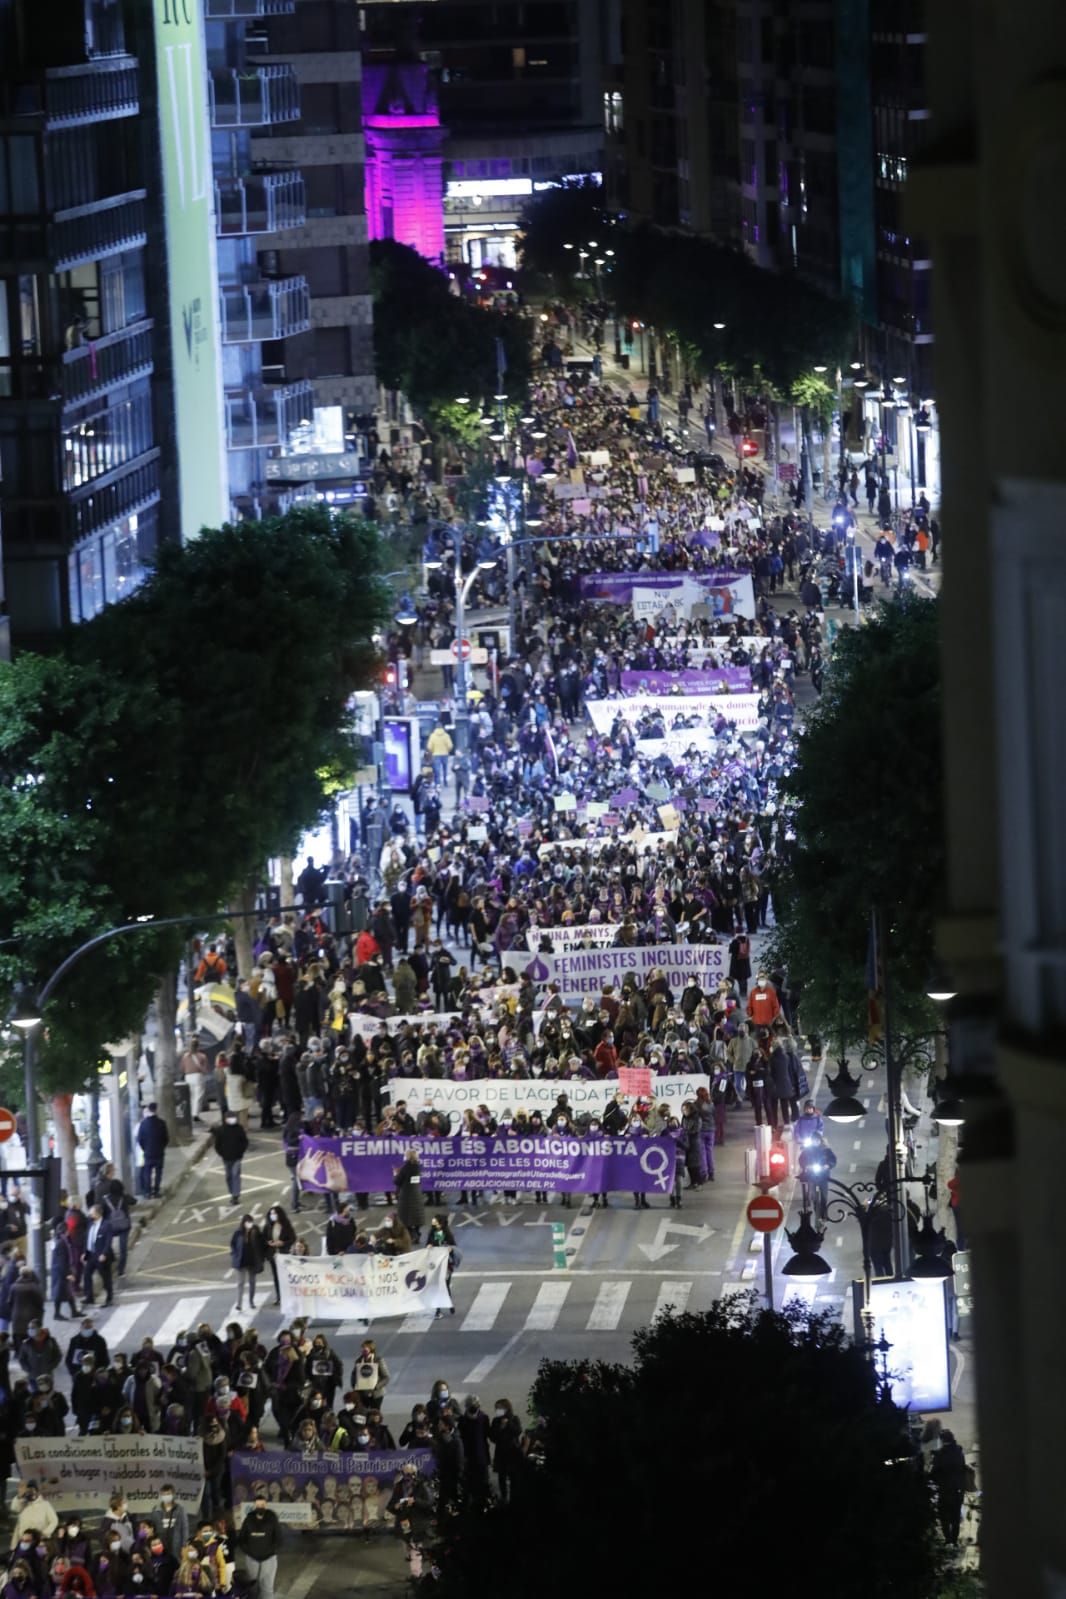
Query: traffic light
[(391, 676), (778, 1163)]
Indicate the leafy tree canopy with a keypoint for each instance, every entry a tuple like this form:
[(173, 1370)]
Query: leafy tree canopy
[(570, 214), (435, 345), (725, 1424), (870, 823)]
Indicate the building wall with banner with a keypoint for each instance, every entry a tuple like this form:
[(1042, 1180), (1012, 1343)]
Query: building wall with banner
[(192, 311)]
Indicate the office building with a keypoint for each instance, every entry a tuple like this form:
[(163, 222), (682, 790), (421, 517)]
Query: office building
[(520, 96), (296, 325)]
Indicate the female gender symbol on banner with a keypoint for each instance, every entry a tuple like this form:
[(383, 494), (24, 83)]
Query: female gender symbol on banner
[(657, 1168)]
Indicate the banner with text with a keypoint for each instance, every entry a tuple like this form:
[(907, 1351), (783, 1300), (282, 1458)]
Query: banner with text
[(586, 972), (578, 935), (704, 709), (500, 1094), (558, 1164), (690, 680), (618, 587), (81, 1473), (330, 1492), (367, 1027), (357, 1287)]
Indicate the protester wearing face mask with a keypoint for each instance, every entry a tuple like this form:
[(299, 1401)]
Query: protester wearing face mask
[(259, 1540), (247, 1257), (171, 1521), (279, 1235), (125, 1423), (440, 1236), (231, 1146), (505, 1435), (370, 1374), (86, 1341), (36, 1517)]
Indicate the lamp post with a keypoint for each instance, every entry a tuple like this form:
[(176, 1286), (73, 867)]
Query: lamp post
[(485, 562)]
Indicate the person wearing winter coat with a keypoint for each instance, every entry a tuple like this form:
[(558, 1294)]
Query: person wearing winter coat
[(405, 986), (691, 1127), (231, 1145), (707, 1130), (505, 1435), (410, 1205), (247, 1257), (63, 1277), (783, 1082), (474, 1432), (279, 1235), (949, 1472), (39, 1354), (370, 1374)]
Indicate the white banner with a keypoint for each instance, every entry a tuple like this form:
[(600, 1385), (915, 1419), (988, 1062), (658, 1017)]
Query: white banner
[(586, 972), (500, 1094), (368, 1027), (363, 1287), (574, 936), (81, 1473), (740, 709), (676, 744), (650, 603)]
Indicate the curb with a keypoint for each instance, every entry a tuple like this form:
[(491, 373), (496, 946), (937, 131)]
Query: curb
[(148, 1210)]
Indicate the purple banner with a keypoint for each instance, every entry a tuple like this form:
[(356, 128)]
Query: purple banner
[(691, 680), (561, 1164), (618, 586), (327, 1491)]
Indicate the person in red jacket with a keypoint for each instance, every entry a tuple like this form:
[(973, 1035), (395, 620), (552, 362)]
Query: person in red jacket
[(764, 1007), (605, 1055), (366, 947)]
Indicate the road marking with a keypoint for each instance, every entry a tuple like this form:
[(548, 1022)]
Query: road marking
[(349, 1329), (121, 1320), (799, 1294), (302, 1585), (857, 1144), (184, 1315), (610, 1303), (490, 1362), (675, 1295), (419, 1321), (551, 1297), (488, 1302)]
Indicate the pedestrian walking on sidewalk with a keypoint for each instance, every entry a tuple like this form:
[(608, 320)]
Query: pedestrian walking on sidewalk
[(153, 1136), (231, 1144)]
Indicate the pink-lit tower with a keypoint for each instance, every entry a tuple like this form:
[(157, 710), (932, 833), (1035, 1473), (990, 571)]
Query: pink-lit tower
[(404, 183)]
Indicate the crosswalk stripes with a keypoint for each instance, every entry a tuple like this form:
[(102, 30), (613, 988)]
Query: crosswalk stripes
[(121, 1319), (610, 1303), (488, 1302), (419, 1321), (675, 1295), (184, 1315), (551, 1297)]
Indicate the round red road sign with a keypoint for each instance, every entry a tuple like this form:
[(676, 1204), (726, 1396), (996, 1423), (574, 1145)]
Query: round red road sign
[(765, 1213), (466, 648), (7, 1125)]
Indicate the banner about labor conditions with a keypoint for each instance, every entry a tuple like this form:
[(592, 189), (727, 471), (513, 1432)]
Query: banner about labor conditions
[(327, 1491), (585, 972), (359, 1287), (80, 1473), (585, 1095), (701, 710), (558, 1163)]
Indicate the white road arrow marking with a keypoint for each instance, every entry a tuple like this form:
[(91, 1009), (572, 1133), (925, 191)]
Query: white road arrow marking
[(659, 1248)]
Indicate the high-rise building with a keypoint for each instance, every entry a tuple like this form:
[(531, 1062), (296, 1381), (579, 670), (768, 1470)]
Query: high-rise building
[(287, 150), (785, 127), (80, 480), (404, 143), (520, 91)]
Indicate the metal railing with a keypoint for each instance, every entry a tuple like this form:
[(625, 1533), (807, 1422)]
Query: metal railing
[(260, 202), (107, 500), (98, 363), (261, 418), (265, 310), (261, 97), (90, 233), (216, 9)]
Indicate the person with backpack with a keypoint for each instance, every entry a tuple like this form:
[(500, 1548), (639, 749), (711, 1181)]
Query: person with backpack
[(740, 962)]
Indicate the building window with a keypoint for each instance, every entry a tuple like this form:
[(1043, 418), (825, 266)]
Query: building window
[(892, 168), (612, 111), (108, 438), (19, 187), (107, 566)]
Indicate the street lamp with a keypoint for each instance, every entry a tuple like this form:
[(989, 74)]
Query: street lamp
[(484, 563)]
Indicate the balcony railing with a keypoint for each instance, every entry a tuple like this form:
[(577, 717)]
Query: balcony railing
[(252, 312), (260, 202), (106, 500), (248, 8), (92, 232), (99, 363), (258, 419), (93, 93), (262, 97)]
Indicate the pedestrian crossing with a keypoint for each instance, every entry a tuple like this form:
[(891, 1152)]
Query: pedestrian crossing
[(584, 1302)]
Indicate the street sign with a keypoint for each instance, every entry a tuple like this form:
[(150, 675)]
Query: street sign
[(466, 648), (765, 1213), (7, 1125)]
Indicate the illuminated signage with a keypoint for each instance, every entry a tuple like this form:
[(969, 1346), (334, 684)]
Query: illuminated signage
[(913, 1318), (188, 213), (304, 468)]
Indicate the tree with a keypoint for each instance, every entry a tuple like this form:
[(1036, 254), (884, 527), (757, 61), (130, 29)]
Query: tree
[(869, 828), (566, 214), (739, 1444), (433, 344), (186, 735)]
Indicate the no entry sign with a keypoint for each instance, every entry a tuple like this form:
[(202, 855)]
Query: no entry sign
[(765, 1213), (463, 647), (7, 1125)]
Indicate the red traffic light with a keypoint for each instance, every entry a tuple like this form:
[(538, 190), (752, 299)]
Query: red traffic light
[(777, 1162), (749, 447), (390, 676)]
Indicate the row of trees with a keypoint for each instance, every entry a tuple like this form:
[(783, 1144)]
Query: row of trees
[(153, 764), (739, 1447), (776, 327), (436, 345)]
